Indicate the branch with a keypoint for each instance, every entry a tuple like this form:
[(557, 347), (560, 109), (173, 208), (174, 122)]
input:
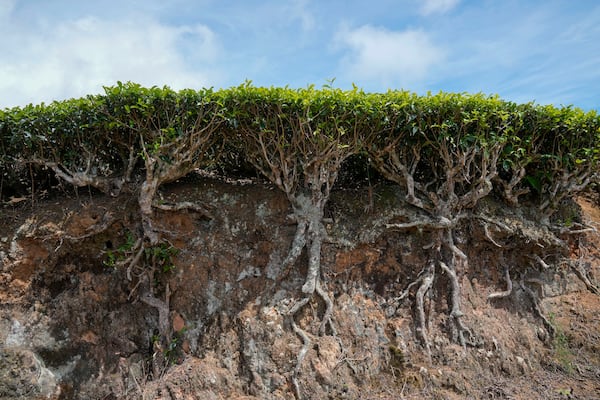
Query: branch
[(81, 179), (512, 196)]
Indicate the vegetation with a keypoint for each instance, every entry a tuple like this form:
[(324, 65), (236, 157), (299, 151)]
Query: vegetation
[(446, 152), (132, 135)]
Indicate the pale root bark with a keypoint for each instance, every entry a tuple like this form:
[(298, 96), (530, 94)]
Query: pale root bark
[(88, 176), (163, 311), (108, 185), (184, 205), (314, 257), (509, 287), (159, 362), (579, 266), (308, 213), (456, 314), (421, 323), (583, 275), (488, 235), (536, 307), (297, 244), (306, 343), (509, 188), (465, 177), (303, 162), (567, 185), (146, 197)]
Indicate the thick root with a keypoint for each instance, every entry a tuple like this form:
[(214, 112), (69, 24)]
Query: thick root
[(159, 361), (536, 307), (458, 328), (421, 328), (298, 244), (163, 311), (314, 258), (581, 267), (99, 227), (326, 320), (304, 335), (583, 275), (150, 232), (509, 287), (306, 343), (489, 236), (184, 205)]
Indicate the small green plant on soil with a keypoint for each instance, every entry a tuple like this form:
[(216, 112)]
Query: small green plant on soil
[(560, 344), (160, 256), (121, 253)]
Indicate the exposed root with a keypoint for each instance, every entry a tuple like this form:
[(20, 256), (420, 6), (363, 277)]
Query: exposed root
[(184, 205), (456, 251), (569, 230), (134, 258), (509, 287), (441, 223), (536, 306), (580, 265), (314, 258), (304, 336), (326, 320), (458, 328), (541, 261), (150, 232), (306, 343), (421, 328), (583, 275), (406, 291), (106, 222), (108, 185), (103, 225), (159, 346), (311, 285), (310, 233), (496, 222), (298, 244), (489, 236), (162, 308)]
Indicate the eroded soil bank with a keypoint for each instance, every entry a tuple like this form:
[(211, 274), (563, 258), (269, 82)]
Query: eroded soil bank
[(76, 324)]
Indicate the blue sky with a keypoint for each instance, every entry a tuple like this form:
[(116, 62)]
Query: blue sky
[(543, 51)]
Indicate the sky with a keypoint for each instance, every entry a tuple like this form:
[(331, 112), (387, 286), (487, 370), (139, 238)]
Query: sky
[(547, 51)]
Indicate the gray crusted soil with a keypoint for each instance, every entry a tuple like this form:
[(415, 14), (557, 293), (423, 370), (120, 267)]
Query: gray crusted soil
[(72, 327)]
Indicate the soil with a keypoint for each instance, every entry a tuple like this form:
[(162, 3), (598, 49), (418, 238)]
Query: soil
[(76, 322)]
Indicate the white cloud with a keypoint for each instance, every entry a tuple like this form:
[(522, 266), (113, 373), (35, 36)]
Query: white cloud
[(387, 57), (429, 7), (6, 8), (298, 9), (78, 57)]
